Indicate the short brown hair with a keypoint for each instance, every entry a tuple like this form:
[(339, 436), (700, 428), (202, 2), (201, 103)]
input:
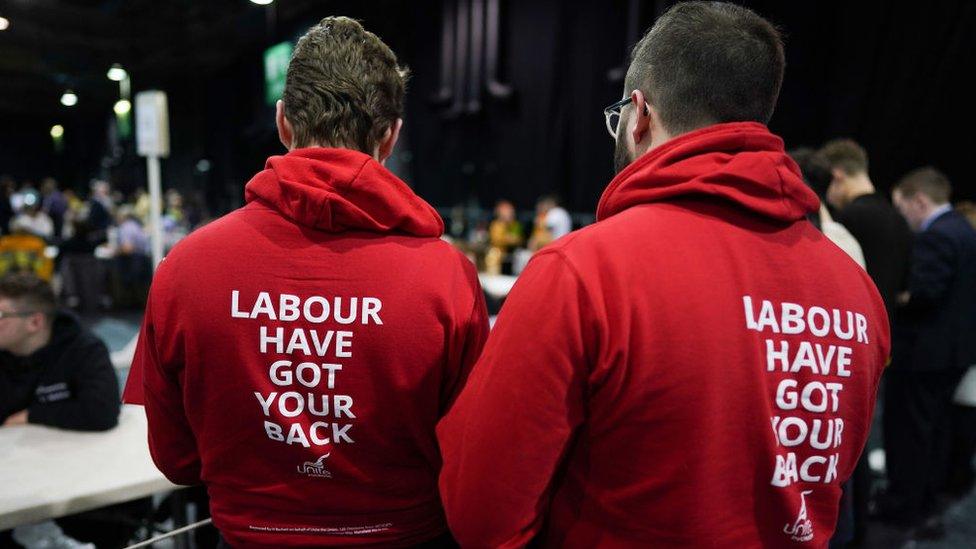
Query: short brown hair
[(33, 293), (704, 63), (846, 155), (815, 169), (343, 88), (928, 181)]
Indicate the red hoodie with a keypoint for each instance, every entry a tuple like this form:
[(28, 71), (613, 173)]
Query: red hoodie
[(698, 368), (297, 353)]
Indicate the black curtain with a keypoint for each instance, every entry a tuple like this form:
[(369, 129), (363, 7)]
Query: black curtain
[(890, 75)]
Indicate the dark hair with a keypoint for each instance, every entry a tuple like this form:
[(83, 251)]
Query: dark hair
[(704, 63), (846, 155), (33, 293), (815, 169), (928, 181), (343, 88)]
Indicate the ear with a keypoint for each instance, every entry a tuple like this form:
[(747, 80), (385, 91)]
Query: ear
[(285, 133), (36, 322), (838, 174), (385, 147), (642, 117)]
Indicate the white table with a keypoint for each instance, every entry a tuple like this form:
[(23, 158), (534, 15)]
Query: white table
[(47, 473), (497, 286)]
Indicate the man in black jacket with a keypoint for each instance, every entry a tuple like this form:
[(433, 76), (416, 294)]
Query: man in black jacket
[(52, 370), (883, 235), (933, 342)]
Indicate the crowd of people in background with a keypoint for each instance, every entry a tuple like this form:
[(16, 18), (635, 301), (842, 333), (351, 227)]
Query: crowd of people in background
[(94, 247), (920, 253), (501, 244)]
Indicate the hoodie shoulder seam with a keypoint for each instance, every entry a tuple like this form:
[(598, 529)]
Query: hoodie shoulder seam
[(355, 176)]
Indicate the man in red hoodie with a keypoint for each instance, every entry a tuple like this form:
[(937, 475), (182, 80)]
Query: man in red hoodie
[(697, 368), (297, 353)]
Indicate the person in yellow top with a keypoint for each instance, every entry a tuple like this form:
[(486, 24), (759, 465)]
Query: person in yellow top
[(22, 252), (504, 235)]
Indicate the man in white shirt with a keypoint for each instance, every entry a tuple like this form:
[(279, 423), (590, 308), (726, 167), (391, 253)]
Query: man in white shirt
[(552, 222)]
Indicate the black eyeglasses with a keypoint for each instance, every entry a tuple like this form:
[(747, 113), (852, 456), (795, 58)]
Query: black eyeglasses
[(612, 114), (11, 314)]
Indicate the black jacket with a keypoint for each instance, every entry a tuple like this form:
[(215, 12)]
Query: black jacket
[(886, 241), (69, 383), (936, 330)]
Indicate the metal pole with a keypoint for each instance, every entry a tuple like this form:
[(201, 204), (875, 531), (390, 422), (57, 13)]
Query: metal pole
[(155, 213)]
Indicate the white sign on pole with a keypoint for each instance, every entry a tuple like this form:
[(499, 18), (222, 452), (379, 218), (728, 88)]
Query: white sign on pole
[(152, 141), (152, 124)]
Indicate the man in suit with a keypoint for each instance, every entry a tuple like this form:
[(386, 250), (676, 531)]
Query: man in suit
[(932, 346)]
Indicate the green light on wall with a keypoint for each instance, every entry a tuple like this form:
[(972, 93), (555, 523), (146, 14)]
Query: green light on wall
[(276, 59)]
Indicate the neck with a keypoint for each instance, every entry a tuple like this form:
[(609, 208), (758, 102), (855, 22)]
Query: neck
[(859, 185), (375, 154), (658, 138), (34, 342), (931, 209)]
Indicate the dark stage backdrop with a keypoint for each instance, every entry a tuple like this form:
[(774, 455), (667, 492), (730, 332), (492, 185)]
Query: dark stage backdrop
[(891, 75)]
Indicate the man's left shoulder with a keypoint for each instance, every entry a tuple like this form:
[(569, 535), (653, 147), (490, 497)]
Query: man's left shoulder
[(951, 226)]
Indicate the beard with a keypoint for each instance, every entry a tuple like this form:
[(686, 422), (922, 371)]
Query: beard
[(621, 156)]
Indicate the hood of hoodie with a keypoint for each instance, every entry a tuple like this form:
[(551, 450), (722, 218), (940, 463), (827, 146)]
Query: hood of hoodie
[(338, 190), (740, 162)]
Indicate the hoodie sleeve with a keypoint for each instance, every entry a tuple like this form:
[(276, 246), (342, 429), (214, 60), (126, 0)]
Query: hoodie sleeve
[(94, 403), (506, 435), (470, 333), (171, 442)]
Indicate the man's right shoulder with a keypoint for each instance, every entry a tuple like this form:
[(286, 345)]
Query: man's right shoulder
[(200, 243), (224, 229)]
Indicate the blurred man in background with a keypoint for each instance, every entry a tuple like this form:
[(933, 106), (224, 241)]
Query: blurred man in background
[(52, 370), (816, 174), (651, 378), (55, 372), (883, 235), (32, 219), (934, 343), (552, 222), (54, 204), (297, 353)]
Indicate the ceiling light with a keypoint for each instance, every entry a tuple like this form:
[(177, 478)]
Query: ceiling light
[(69, 99), (4, 23), (57, 131), (122, 107), (117, 73), (262, 2)]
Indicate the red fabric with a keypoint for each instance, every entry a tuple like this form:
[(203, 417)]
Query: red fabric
[(319, 225), (624, 397)]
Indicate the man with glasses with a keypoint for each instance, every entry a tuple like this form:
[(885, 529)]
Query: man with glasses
[(699, 366), (52, 370)]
